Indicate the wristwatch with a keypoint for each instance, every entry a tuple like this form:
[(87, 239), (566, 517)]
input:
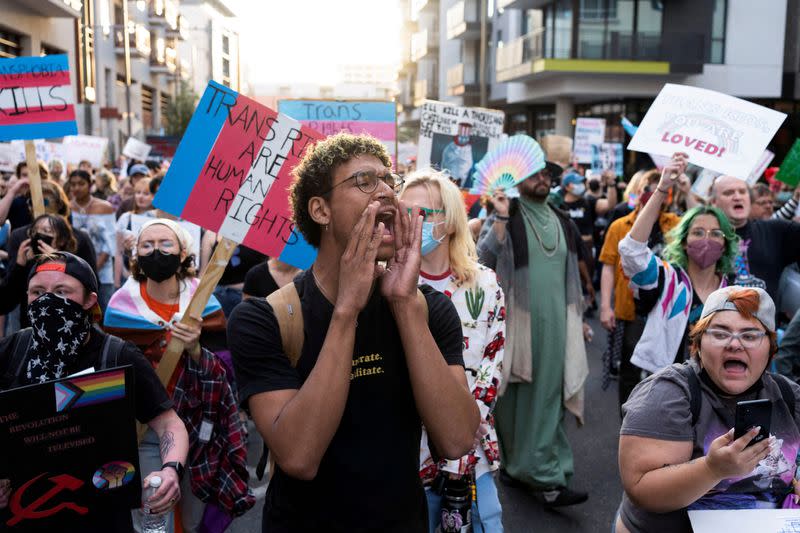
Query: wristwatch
[(175, 465)]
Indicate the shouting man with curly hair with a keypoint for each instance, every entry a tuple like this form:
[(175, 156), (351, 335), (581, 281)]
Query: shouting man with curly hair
[(378, 359)]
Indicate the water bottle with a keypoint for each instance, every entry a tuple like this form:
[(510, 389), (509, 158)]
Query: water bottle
[(152, 523), (456, 514)]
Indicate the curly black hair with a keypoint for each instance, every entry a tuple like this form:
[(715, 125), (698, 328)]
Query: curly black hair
[(314, 174)]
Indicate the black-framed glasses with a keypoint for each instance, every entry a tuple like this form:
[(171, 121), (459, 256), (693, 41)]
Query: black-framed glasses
[(368, 180)]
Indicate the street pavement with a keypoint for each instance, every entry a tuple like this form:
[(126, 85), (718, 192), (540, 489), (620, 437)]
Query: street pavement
[(595, 449)]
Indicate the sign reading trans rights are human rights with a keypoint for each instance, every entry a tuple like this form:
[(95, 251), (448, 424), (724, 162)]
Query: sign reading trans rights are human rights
[(232, 172), (719, 132)]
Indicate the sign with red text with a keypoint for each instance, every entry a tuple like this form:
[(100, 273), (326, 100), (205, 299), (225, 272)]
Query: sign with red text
[(36, 98), (232, 171), (69, 451), (717, 131)]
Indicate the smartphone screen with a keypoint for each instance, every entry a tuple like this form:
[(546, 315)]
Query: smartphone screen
[(750, 414)]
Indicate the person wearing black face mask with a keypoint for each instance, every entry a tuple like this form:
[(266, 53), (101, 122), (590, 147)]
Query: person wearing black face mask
[(146, 310), (62, 305)]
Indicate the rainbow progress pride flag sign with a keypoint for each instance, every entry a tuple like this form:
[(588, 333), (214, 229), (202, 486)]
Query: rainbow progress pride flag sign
[(36, 98), (232, 172)]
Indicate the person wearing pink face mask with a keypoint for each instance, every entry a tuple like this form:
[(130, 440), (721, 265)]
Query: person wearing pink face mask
[(671, 291)]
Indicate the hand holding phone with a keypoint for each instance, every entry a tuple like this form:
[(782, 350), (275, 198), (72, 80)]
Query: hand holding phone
[(750, 414)]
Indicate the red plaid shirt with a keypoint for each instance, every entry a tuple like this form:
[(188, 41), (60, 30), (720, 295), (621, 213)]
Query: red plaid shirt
[(218, 462)]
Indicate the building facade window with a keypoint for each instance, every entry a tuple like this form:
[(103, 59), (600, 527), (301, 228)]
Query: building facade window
[(718, 31), (48, 50), (164, 100), (10, 43), (147, 107)]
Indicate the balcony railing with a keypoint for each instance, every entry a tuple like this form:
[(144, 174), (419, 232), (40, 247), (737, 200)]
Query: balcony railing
[(164, 13), (422, 42), (519, 51), (463, 20), (138, 40), (418, 6)]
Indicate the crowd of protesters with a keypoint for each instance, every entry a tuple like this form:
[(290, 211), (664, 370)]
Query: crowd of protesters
[(427, 354)]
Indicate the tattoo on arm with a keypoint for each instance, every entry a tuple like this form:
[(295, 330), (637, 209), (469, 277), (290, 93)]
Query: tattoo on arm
[(167, 443), (690, 461)]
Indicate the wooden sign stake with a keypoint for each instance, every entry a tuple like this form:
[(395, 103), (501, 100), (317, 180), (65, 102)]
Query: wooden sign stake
[(34, 179)]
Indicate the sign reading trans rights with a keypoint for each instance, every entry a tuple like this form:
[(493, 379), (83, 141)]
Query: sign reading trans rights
[(719, 132), (232, 171)]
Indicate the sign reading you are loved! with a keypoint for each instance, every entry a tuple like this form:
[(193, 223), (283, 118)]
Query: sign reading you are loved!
[(36, 98), (232, 172), (718, 131)]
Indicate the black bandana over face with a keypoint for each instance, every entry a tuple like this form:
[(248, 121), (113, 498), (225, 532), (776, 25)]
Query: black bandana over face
[(60, 327)]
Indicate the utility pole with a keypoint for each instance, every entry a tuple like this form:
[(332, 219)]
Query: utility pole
[(127, 47), (482, 56)]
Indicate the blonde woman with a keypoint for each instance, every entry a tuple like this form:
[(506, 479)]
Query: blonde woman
[(450, 265)]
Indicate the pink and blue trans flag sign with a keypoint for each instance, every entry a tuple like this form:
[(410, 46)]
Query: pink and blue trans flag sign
[(36, 98), (232, 171)]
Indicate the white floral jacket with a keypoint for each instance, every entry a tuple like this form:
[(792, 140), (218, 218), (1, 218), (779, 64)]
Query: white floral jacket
[(482, 311)]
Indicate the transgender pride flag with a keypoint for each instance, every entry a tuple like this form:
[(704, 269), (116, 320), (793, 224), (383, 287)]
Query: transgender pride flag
[(232, 171), (36, 98)]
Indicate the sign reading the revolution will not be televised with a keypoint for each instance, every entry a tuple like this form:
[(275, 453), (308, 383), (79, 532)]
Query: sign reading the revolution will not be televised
[(455, 138), (329, 117), (719, 132), (232, 172), (69, 450), (36, 98)]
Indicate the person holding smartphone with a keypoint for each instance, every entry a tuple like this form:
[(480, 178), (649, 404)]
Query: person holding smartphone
[(677, 449)]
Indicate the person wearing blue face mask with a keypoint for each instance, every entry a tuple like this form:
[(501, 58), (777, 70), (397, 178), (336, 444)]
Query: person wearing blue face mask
[(450, 265)]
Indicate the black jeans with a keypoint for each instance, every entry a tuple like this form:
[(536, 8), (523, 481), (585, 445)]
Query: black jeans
[(629, 374)]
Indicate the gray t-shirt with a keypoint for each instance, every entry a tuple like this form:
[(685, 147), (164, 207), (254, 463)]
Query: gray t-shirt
[(659, 408)]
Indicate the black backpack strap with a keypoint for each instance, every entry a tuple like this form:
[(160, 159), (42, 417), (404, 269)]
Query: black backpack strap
[(19, 354), (112, 347), (695, 394), (786, 392)]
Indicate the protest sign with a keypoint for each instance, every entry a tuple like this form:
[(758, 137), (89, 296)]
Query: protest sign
[(36, 98), (705, 178), (192, 229), (745, 520), (9, 157), (588, 132), (77, 148), (557, 149), (719, 132), (46, 151), (75, 438), (455, 138), (231, 175), (329, 117), (136, 149), (789, 172), (761, 166), (607, 156)]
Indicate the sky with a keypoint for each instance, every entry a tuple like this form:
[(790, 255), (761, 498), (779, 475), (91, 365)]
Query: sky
[(304, 41)]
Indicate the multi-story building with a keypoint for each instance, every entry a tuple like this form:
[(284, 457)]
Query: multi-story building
[(212, 49), (550, 61), (419, 74)]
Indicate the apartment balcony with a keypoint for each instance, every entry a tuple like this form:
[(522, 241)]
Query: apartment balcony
[(420, 92), (422, 6), (56, 8), (521, 4), (138, 40), (463, 20), (462, 79), (526, 58), (164, 59), (423, 43), (163, 13), (179, 30)]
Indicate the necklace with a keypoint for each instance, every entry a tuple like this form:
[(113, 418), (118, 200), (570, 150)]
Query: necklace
[(320, 287), (82, 208), (548, 252)]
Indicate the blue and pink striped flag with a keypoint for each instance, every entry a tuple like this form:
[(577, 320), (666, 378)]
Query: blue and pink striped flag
[(36, 98), (232, 171)]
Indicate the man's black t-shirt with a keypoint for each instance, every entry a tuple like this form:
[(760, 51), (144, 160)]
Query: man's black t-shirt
[(150, 401), (368, 479), (765, 249), (582, 212), (259, 282)]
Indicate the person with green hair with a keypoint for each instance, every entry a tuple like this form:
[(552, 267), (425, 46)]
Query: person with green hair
[(671, 291)]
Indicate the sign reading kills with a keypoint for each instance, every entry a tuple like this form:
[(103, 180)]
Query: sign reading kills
[(232, 172), (36, 98)]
